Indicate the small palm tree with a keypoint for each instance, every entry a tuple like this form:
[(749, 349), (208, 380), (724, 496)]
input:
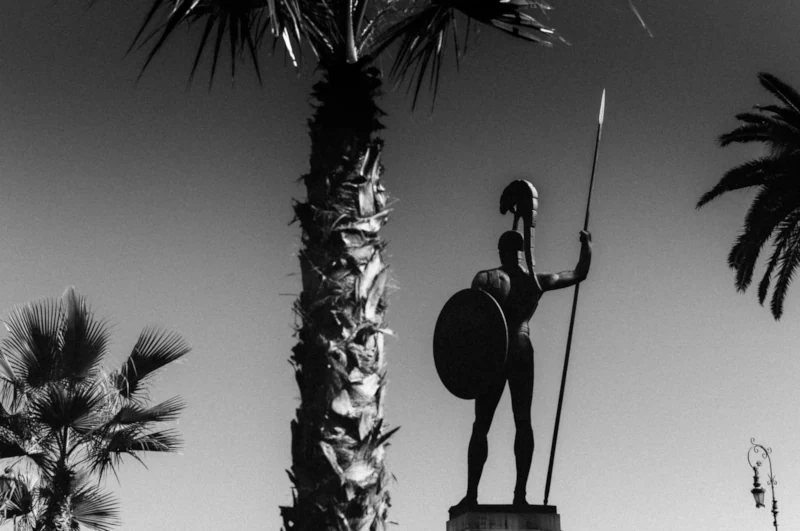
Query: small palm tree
[(339, 434), (775, 211), (64, 422)]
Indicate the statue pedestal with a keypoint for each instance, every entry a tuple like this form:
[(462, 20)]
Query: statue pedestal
[(504, 518)]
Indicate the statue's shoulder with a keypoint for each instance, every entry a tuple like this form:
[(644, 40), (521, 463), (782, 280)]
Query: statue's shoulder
[(490, 278)]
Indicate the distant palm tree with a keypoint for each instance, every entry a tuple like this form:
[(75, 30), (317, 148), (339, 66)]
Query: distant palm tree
[(775, 211), (65, 422), (339, 436)]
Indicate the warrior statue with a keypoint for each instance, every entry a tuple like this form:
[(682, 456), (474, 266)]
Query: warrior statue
[(517, 290)]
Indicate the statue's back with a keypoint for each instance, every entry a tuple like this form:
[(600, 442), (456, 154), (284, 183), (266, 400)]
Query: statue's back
[(517, 293)]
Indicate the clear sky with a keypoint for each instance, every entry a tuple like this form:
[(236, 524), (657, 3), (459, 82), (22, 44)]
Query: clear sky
[(172, 206)]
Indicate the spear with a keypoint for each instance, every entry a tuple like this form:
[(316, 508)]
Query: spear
[(574, 305)]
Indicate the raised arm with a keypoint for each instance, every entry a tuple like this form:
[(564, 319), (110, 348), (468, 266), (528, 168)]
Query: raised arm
[(565, 279)]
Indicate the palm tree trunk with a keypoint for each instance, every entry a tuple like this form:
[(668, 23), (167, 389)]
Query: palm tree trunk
[(338, 437), (58, 498)]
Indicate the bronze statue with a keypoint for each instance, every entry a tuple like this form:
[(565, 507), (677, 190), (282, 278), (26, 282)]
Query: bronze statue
[(517, 290)]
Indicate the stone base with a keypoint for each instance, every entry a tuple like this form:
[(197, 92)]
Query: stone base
[(504, 517)]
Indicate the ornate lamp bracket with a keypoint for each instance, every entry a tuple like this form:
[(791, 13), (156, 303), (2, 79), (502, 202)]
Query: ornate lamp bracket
[(762, 452)]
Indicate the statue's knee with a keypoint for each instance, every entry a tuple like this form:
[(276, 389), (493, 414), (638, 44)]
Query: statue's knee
[(525, 429), (480, 429), (523, 422)]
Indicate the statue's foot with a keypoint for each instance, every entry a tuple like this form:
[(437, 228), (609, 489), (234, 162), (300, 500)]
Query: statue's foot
[(468, 502), (519, 501)]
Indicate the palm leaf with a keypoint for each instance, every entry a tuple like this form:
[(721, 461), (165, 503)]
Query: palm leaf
[(16, 500), (763, 286), (15, 429), (166, 411), (10, 448), (95, 509), (789, 261), (159, 441), (422, 47), (781, 241), (772, 204), (787, 114), (755, 172), (780, 90), (510, 17), (11, 387), (85, 339), (770, 131), (424, 33), (43, 459), (243, 22), (154, 349), (68, 406), (33, 344), (107, 452)]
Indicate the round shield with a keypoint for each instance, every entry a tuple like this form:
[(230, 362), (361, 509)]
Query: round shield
[(470, 343)]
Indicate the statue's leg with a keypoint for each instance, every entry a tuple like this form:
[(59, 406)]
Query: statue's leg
[(485, 406), (520, 382)]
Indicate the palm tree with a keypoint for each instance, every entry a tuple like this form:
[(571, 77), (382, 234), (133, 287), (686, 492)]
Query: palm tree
[(65, 422), (775, 211), (339, 434)]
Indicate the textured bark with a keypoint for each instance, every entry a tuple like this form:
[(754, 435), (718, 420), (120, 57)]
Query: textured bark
[(339, 436)]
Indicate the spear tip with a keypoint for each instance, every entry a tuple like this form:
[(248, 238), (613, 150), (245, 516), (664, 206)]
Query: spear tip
[(602, 108)]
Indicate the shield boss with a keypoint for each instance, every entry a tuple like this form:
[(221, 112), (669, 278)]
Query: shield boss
[(470, 343)]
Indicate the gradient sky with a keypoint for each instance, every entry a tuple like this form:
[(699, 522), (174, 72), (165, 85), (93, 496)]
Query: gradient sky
[(172, 206)]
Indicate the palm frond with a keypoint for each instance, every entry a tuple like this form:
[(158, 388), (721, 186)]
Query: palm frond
[(154, 349), (10, 447), (789, 261), (324, 26), (85, 340), (95, 509), (786, 114), (166, 411), (424, 34), (15, 429), (16, 499), (751, 173), (422, 47), (772, 204), (43, 459), (766, 280), (159, 441), (68, 406), (780, 90), (382, 27), (781, 240), (769, 130), (107, 453), (510, 16), (34, 341), (243, 22), (11, 387), (7, 373)]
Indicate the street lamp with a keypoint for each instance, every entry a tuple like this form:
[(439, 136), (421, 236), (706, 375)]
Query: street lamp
[(758, 491)]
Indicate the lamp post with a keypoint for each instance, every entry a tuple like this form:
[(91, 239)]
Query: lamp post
[(758, 491)]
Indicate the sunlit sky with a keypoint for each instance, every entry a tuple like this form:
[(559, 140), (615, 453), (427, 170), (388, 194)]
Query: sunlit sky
[(171, 205)]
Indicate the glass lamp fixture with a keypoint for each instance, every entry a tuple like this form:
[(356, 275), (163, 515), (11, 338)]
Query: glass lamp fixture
[(758, 492)]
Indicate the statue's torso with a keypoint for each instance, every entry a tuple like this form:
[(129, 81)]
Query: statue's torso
[(517, 292)]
